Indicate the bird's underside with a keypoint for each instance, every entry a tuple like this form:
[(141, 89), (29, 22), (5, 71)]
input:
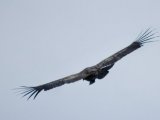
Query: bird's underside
[(90, 74), (99, 74)]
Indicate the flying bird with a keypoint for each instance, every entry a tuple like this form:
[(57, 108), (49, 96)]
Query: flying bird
[(90, 74)]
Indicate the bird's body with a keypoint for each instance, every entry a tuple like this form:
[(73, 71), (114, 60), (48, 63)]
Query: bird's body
[(98, 71)]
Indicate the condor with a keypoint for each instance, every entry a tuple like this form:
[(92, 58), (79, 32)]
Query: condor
[(92, 73)]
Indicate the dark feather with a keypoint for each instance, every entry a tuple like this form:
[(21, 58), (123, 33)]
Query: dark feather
[(91, 73), (104, 71)]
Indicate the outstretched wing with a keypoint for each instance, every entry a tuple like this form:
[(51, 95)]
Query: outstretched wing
[(34, 91), (145, 37)]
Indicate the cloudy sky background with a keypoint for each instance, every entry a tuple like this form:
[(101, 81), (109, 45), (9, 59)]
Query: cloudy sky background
[(41, 41)]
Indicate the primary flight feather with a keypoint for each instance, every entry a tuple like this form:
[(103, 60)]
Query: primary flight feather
[(97, 71)]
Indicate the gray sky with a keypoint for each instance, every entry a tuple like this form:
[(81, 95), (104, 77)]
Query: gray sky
[(41, 41)]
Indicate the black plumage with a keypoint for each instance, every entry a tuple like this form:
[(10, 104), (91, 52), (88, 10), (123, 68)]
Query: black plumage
[(98, 71)]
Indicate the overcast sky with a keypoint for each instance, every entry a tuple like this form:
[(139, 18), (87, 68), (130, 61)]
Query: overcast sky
[(44, 40)]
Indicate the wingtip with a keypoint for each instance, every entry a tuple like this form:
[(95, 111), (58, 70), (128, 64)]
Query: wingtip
[(147, 36), (29, 91)]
